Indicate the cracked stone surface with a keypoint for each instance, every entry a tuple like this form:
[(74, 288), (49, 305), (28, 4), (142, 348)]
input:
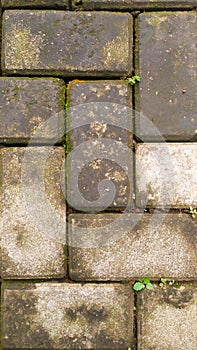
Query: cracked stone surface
[(33, 213), (67, 316), (66, 43), (127, 246), (171, 309)]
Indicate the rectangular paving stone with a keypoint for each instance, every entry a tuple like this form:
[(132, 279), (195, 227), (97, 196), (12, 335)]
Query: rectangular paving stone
[(66, 43), (119, 247), (130, 4), (33, 213), (167, 318), (166, 175), (67, 316), (27, 103), (166, 95), (99, 132), (35, 3)]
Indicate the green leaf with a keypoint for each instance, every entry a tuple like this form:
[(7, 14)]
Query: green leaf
[(149, 286), (163, 280), (137, 78), (146, 280), (138, 286), (141, 280), (161, 284)]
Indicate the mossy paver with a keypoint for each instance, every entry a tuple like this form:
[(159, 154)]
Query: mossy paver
[(25, 104), (166, 175), (100, 122), (66, 43), (167, 318), (33, 213), (127, 246), (67, 316), (35, 3), (130, 4), (166, 94)]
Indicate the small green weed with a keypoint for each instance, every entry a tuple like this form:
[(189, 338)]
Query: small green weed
[(162, 282), (143, 283), (133, 80), (193, 212)]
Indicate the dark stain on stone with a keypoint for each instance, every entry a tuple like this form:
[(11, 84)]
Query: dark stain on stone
[(178, 299), (18, 322)]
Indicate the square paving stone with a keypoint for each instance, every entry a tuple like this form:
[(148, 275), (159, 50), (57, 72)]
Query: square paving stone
[(166, 175), (166, 96), (35, 3), (118, 247), (99, 136), (130, 4), (167, 318), (25, 104), (67, 43), (67, 316), (33, 213)]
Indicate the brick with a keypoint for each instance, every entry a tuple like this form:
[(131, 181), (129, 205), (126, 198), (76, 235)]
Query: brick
[(67, 316), (166, 95), (171, 309), (35, 3), (100, 111), (66, 43), (130, 4), (33, 213), (166, 175), (25, 104), (115, 247)]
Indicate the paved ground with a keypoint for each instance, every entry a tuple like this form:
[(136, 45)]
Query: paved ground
[(98, 176)]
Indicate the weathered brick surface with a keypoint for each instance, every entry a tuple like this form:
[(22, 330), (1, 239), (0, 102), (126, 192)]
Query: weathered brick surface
[(130, 4), (67, 316), (35, 3), (127, 246), (167, 66), (67, 43), (167, 318), (33, 226), (25, 104), (100, 111), (166, 175)]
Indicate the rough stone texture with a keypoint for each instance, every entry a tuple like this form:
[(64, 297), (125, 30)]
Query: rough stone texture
[(167, 318), (35, 3), (67, 316), (33, 213), (67, 43), (127, 246), (130, 4), (166, 175), (167, 66), (25, 104), (100, 124)]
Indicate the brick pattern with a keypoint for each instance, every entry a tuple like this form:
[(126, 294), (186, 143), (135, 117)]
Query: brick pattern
[(131, 174)]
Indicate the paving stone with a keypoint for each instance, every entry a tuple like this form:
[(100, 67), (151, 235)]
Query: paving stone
[(166, 175), (100, 120), (119, 247), (130, 4), (25, 104), (33, 213), (167, 65), (167, 318), (66, 43), (67, 316), (35, 3)]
